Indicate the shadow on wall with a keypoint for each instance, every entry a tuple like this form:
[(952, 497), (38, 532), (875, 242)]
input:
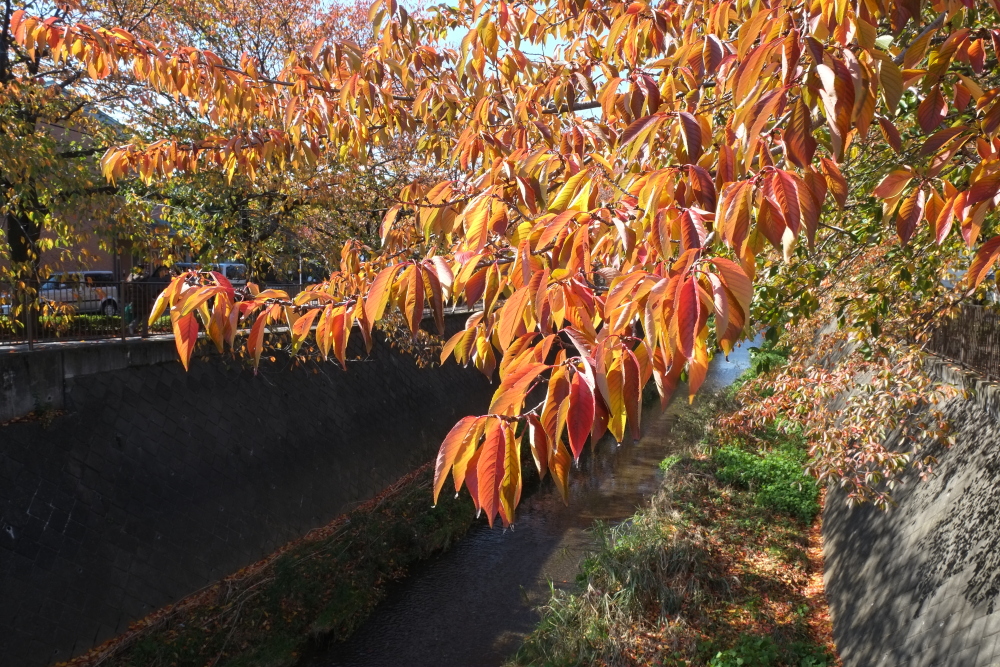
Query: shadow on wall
[(918, 584), (966, 539)]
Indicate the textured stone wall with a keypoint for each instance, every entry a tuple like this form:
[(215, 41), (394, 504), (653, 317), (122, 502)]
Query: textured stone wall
[(158, 482), (919, 585)]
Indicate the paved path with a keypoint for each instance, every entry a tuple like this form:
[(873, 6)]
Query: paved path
[(918, 585)]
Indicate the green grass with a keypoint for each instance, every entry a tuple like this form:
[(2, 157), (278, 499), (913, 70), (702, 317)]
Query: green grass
[(762, 651), (775, 476)]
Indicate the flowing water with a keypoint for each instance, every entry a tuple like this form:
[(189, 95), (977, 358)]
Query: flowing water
[(472, 606)]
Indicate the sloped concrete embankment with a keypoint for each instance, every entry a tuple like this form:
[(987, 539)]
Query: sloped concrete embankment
[(157, 482), (919, 585)]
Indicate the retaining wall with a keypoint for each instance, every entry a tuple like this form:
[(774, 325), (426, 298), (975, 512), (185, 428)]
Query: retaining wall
[(918, 585), (157, 482)]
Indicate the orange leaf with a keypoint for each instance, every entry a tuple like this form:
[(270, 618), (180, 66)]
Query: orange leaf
[(510, 321), (510, 486), (490, 468), (893, 183), (737, 281), (985, 258), (185, 337), (835, 181), (255, 343), (456, 439), (559, 463), (378, 295), (553, 419), (539, 445), (301, 328), (510, 395)]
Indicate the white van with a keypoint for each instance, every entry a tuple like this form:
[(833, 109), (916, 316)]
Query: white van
[(85, 291)]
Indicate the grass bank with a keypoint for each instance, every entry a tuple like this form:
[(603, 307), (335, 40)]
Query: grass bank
[(317, 589), (723, 568)]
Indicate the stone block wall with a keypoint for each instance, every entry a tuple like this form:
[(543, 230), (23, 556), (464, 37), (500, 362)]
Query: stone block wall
[(157, 482)]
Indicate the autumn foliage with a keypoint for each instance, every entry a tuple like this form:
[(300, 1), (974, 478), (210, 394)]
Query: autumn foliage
[(604, 207)]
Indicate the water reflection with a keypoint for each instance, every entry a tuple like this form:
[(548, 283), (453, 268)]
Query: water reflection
[(474, 604)]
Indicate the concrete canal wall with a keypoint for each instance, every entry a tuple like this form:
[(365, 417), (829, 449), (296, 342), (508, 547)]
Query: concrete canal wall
[(156, 482), (919, 584)]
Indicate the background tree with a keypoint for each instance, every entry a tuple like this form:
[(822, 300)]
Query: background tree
[(613, 202)]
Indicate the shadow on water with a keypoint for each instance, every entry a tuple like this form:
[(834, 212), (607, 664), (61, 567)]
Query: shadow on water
[(475, 603)]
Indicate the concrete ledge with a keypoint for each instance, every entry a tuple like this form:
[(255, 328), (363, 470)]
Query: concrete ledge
[(36, 379)]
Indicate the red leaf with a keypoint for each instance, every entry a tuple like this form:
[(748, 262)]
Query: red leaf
[(688, 311), (787, 191), (800, 146), (475, 287), (632, 392), (633, 130), (414, 304), (932, 110), (891, 134), (580, 418), (910, 213), (691, 131)]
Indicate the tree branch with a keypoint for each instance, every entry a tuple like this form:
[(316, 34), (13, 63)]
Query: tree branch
[(931, 27)]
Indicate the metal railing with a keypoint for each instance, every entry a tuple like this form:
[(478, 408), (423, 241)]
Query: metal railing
[(85, 309), (971, 338)]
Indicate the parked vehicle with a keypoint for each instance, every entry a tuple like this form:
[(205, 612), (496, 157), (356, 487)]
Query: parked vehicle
[(85, 291)]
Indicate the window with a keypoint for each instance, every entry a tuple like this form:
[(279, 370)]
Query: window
[(236, 272), (99, 276)]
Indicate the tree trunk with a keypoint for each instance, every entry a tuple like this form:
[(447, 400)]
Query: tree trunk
[(22, 237)]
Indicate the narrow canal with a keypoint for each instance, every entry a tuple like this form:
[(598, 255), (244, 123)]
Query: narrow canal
[(474, 604)]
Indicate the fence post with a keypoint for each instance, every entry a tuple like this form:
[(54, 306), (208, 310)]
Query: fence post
[(121, 307), (28, 317)]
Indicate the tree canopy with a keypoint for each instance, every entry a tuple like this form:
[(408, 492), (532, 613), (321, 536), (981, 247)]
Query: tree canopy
[(619, 176)]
